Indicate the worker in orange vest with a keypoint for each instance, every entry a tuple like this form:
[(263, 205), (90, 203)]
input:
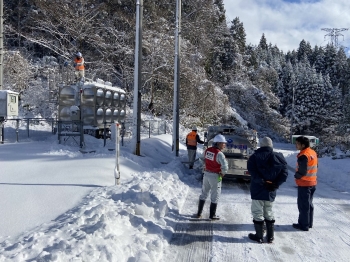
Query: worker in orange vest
[(191, 142), (306, 180), (79, 67)]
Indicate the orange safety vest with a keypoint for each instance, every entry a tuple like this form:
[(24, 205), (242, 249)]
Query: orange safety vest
[(191, 139), (310, 179), (79, 64)]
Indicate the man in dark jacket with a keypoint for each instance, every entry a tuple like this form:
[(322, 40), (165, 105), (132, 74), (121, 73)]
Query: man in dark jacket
[(191, 142), (268, 171)]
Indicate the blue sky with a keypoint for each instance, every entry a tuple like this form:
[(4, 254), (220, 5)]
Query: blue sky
[(287, 22)]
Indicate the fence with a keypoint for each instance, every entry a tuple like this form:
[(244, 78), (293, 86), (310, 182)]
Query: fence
[(148, 127), (13, 129), (20, 129)]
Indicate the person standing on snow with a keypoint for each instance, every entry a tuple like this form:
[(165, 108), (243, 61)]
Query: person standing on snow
[(268, 171), (191, 142), (79, 67), (306, 180), (216, 167)]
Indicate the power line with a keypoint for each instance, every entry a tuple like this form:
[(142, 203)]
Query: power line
[(334, 33)]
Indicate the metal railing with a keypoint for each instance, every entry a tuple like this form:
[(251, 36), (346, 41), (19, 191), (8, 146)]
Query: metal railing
[(22, 126)]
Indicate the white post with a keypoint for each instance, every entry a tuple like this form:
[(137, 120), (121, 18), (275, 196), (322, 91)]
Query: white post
[(116, 168)]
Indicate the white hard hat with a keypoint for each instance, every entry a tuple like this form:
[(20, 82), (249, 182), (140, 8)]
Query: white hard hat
[(219, 139), (79, 54), (194, 128)]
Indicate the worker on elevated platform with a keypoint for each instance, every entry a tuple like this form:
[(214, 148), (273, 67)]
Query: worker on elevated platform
[(79, 67)]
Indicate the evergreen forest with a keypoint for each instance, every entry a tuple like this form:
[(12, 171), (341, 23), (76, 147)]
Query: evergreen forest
[(223, 79)]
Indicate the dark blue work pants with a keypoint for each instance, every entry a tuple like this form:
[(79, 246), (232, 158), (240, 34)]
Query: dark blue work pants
[(305, 206)]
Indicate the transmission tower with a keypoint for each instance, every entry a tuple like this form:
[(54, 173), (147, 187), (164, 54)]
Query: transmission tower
[(333, 34)]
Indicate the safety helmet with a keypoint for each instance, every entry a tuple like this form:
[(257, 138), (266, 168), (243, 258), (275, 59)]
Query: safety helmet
[(78, 54), (194, 128), (219, 139)]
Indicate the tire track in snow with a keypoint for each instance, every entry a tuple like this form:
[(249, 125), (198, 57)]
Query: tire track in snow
[(192, 239), (337, 216)]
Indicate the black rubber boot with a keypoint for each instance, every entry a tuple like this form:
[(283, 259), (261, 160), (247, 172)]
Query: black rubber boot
[(200, 208), (212, 213), (270, 230), (258, 236)]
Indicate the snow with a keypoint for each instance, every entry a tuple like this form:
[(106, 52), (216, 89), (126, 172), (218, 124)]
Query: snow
[(58, 204)]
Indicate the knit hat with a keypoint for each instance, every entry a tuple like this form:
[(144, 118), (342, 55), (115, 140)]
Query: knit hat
[(266, 141)]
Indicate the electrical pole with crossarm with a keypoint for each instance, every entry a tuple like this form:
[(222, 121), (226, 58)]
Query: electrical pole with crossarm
[(333, 34)]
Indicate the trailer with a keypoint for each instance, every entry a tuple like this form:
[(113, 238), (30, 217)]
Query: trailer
[(314, 141), (240, 145)]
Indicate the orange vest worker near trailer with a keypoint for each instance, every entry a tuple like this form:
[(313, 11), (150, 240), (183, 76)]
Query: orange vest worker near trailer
[(306, 180), (191, 142)]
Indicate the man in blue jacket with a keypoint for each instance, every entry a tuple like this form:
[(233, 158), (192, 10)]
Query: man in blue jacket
[(268, 171)]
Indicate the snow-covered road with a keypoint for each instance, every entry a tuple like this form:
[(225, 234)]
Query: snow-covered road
[(227, 239), (59, 205)]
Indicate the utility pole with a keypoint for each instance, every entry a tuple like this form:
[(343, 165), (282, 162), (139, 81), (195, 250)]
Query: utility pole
[(1, 43), (177, 80), (136, 139), (292, 118), (333, 34)]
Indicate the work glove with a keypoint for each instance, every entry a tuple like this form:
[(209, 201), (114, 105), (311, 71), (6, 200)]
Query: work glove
[(65, 63), (298, 176), (74, 65), (270, 186)]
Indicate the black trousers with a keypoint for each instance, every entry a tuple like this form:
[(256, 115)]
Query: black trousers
[(305, 206)]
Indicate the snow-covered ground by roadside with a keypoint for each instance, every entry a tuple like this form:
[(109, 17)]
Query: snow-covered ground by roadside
[(58, 204)]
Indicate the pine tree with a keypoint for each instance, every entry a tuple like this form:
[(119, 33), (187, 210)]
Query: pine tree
[(332, 102), (292, 56), (330, 57), (308, 96), (304, 49), (285, 90), (319, 63), (263, 43), (341, 70), (238, 34)]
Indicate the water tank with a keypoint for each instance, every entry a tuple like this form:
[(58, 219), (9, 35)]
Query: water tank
[(65, 114), (88, 115), (100, 81), (99, 116), (67, 96), (115, 115), (122, 100), (108, 115), (108, 98), (100, 97), (88, 96), (115, 100), (121, 115)]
